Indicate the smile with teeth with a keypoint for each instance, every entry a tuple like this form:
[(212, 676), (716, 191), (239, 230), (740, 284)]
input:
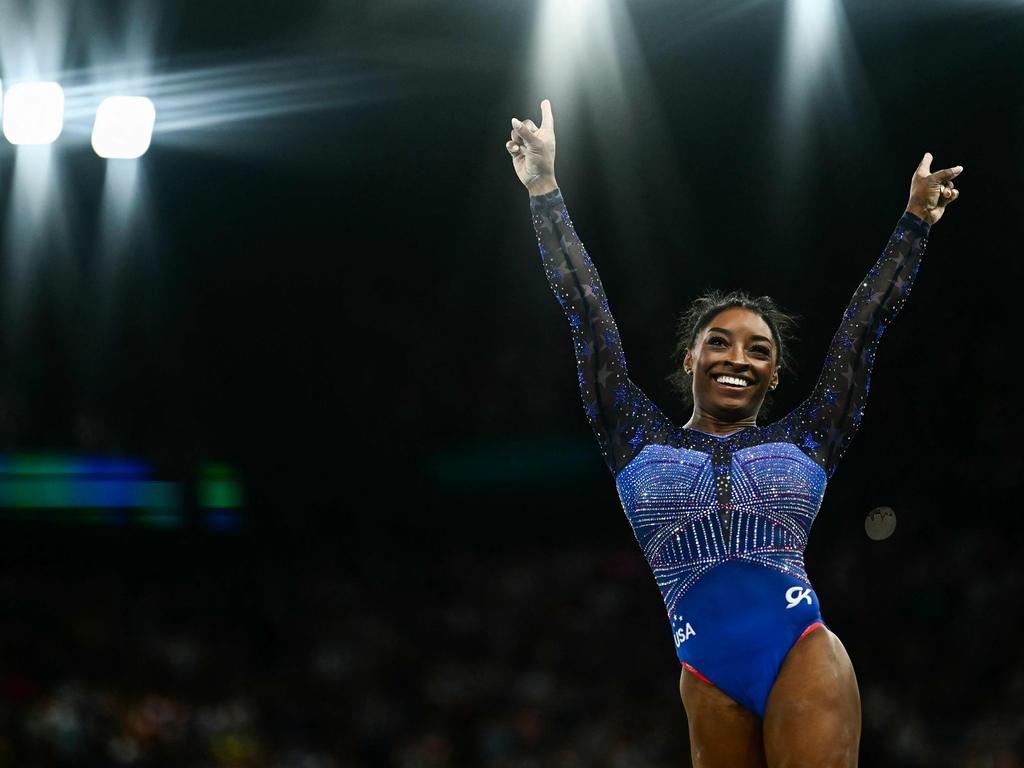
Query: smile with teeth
[(731, 381)]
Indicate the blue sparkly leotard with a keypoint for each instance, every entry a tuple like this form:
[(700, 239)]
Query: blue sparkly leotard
[(723, 521)]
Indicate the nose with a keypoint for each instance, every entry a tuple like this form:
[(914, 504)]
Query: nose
[(737, 356)]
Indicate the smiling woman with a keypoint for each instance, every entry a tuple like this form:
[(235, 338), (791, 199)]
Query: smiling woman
[(767, 329), (733, 365), (722, 507)]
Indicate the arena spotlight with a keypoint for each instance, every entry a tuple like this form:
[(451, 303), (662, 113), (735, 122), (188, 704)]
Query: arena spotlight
[(123, 127), (33, 113), (812, 48), (821, 87)]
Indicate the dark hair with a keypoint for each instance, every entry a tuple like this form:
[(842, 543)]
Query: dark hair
[(703, 310)]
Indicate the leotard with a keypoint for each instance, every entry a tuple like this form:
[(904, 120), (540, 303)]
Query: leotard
[(723, 520)]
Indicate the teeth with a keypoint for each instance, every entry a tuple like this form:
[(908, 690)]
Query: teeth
[(731, 380)]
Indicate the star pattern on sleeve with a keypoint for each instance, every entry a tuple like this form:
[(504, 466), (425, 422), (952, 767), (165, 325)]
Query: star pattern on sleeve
[(621, 416), (836, 407)]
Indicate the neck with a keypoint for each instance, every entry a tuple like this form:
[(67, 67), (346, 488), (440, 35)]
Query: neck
[(705, 422)]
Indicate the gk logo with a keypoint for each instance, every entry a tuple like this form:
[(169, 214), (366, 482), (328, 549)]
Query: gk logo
[(796, 595)]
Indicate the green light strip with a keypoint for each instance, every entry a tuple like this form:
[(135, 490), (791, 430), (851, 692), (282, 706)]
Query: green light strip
[(53, 493)]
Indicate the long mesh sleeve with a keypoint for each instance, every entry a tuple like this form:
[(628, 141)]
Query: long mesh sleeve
[(824, 424), (621, 415)]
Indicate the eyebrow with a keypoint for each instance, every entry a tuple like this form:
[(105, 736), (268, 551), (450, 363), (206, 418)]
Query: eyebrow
[(727, 332)]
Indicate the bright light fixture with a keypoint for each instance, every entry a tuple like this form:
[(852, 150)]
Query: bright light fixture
[(123, 127), (33, 113)]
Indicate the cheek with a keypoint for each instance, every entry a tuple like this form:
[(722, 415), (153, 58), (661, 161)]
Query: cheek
[(764, 373)]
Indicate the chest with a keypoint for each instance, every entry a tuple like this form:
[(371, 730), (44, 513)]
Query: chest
[(775, 481)]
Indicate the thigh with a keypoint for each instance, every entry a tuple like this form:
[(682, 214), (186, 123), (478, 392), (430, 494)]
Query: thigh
[(812, 717), (723, 734)]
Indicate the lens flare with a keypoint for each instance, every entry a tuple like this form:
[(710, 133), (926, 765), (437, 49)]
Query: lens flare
[(123, 127), (34, 113)]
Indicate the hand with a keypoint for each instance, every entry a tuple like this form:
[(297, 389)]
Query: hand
[(930, 193), (533, 151)]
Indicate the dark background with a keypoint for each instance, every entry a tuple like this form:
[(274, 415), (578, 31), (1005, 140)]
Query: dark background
[(345, 302)]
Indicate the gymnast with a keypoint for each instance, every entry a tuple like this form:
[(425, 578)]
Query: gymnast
[(722, 506)]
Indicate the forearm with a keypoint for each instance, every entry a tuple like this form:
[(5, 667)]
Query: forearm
[(884, 289), (575, 282)]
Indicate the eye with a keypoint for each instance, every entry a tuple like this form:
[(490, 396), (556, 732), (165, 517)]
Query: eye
[(718, 340), (762, 350)]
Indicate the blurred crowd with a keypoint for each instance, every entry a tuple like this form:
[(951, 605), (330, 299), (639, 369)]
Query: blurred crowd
[(531, 656)]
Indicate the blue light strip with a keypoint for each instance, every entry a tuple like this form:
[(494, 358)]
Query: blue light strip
[(88, 489)]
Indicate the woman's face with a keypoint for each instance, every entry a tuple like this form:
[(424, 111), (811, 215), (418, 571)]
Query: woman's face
[(733, 364)]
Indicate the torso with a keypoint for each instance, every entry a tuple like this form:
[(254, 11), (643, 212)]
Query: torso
[(697, 501)]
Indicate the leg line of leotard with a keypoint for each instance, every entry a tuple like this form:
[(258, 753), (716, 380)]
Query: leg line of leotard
[(809, 629), (698, 674), (813, 626)]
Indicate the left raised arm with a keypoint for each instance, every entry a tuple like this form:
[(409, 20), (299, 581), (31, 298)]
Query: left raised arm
[(825, 423)]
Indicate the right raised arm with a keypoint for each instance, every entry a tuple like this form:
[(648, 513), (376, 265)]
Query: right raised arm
[(622, 417), (619, 413)]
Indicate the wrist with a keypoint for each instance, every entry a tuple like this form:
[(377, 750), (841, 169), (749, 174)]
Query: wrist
[(920, 212), (542, 186), (917, 222)]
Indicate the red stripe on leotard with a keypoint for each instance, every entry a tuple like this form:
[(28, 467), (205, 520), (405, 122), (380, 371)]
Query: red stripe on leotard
[(815, 625), (698, 674)]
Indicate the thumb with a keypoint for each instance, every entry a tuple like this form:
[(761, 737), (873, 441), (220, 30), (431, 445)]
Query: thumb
[(948, 173), (925, 166)]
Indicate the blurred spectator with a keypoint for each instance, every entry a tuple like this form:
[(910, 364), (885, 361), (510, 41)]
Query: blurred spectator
[(537, 657)]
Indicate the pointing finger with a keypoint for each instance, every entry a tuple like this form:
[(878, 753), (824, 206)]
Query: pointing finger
[(547, 120), (947, 173), (925, 166)]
